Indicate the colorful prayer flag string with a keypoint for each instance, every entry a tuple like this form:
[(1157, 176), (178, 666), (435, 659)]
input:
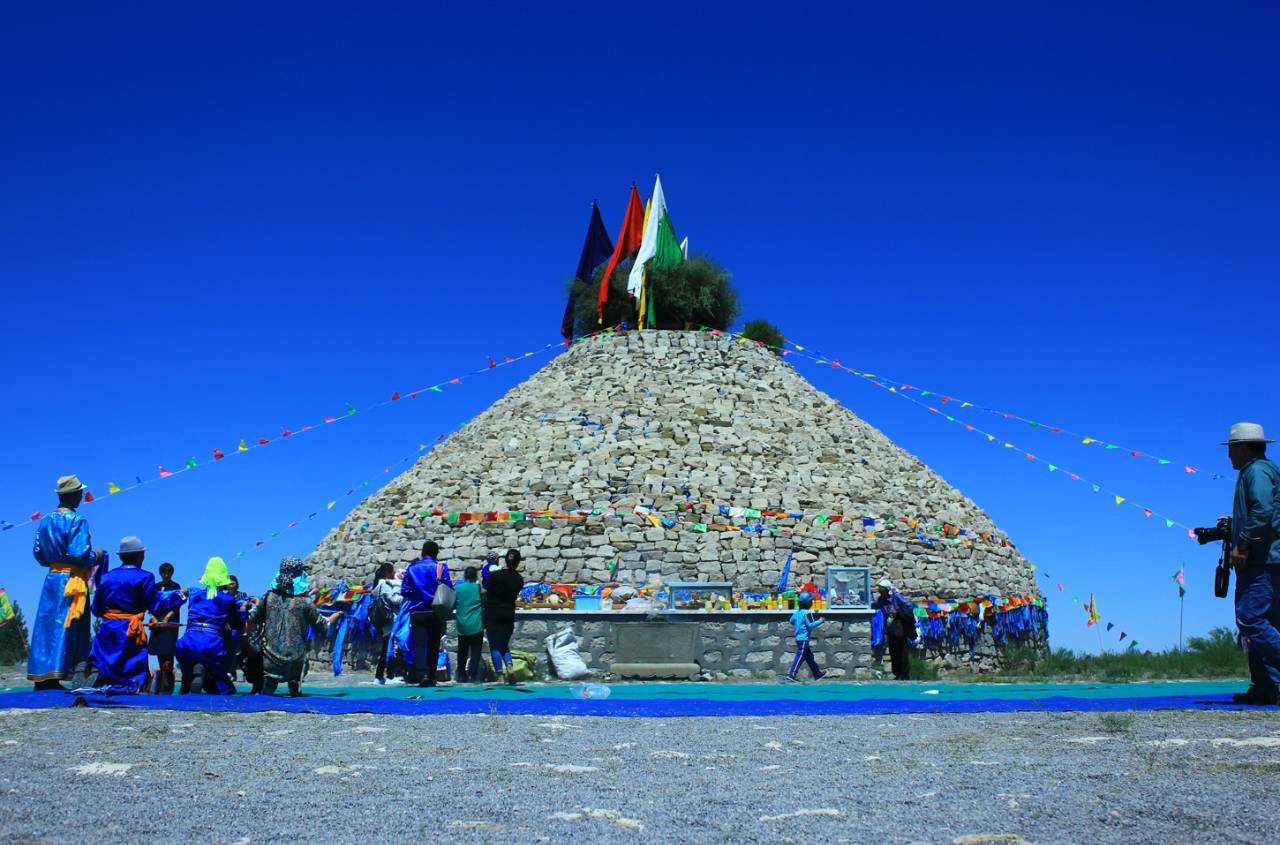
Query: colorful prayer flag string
[(351, 410)]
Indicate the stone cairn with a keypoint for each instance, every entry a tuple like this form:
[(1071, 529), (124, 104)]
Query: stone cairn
[(668, 419)]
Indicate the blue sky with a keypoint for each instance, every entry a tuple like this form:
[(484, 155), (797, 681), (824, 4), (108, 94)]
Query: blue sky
[(217, 224)]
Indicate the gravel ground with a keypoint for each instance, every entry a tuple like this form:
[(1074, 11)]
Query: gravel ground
[(154, 776)]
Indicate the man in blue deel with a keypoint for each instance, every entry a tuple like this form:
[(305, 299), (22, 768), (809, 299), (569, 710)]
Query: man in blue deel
[(1255, 555), (122, 601)]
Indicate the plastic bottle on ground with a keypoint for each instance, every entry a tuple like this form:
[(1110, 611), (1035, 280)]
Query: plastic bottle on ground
[(594, 691)]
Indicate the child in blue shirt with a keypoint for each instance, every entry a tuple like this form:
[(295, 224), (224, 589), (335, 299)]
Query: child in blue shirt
[(804, 623)]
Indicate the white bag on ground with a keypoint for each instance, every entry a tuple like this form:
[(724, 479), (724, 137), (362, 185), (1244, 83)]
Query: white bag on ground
[(562, 647)]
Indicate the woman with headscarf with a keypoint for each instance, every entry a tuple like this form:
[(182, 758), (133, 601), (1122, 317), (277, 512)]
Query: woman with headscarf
[(202, 650), (282, 617)]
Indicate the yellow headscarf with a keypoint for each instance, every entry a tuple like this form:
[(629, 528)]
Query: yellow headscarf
[(215, 576)]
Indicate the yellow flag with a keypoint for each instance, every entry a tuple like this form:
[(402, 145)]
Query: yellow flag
[(243, 447), (112, 488), (330, 507), (1088, 440), (991, 437), (1119, 499)]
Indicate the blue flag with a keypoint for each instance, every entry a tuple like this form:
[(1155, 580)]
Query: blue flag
[(596, 250), (786, 573)]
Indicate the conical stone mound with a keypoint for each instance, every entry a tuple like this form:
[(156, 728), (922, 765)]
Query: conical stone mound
[(685, 422)]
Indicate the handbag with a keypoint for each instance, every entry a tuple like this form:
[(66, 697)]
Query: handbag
[(445, 599)]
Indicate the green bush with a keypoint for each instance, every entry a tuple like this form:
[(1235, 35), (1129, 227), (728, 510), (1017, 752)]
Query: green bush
[(693, 293), (1215, 655), (618, 308), (762, 331), (13, 639)]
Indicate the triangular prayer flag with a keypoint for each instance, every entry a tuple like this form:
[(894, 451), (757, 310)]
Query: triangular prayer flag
[(191, 463), (629, 238), (262, 441), (596, 249), (88, 497), (284, 432), (395, 397), (1123, 635), (112, 488), (243, 447), (351, 409), (330, 419), (217, 455), (1189, 469), (1052, 468), (164, 473), (1119, 499), (329, 507), (1147, 512), (1168, 523)]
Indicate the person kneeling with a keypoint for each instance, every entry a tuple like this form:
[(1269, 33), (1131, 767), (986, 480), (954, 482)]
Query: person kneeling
[(122, 600), (202, 650)]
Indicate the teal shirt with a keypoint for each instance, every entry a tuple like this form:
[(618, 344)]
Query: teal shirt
[(467, 611), (1255, 513)]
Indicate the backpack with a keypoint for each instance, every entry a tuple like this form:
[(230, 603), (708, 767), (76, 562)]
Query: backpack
[(380, 612), (445, 599)]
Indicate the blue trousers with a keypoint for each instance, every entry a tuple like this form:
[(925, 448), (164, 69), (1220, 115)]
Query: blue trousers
[(804, 654), (1257, 615)]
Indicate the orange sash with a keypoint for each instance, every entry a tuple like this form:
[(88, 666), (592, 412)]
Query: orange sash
[(77, 588), (137, 631)]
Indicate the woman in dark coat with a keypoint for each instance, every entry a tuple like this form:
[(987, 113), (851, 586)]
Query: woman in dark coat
[(502, 588), (282, 617)]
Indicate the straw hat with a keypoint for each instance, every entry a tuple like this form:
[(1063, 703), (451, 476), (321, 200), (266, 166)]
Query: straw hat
[(68, 484), (1246, 432)]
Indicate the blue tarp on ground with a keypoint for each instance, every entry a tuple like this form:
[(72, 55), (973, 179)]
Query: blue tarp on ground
[(669, 700)]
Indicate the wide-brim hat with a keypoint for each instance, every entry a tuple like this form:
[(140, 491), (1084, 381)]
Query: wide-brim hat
[(1246, 432), (68, 484), (130, 545)]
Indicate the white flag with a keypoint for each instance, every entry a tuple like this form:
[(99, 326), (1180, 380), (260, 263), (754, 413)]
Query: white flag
[(684, 248), (649, 244)]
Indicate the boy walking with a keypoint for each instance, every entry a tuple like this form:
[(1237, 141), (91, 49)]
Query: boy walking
[(804, 623)]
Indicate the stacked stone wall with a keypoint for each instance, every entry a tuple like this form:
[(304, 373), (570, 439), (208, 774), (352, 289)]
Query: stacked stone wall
[(682, 422)]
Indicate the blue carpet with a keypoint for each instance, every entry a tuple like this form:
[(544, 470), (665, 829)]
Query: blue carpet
[(654, 701)]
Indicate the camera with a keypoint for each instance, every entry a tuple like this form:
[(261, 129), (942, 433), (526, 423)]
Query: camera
[(1220, 533)]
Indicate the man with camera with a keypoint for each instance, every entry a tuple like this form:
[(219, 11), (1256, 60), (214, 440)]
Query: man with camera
[(1253, 537)]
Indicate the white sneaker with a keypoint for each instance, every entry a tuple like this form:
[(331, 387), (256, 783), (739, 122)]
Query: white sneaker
[(394, 682)]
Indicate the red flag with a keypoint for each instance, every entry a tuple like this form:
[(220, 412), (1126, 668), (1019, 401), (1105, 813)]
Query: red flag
[(164, 473), (35, 516), (217, 454), (284, 432), (88, 497), (492, 363), (628, 242), (329, 419), (395, 396), (262, 441)]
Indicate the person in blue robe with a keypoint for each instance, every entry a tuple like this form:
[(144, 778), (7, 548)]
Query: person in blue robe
[(202, 650), (122, 601), (60, 636)]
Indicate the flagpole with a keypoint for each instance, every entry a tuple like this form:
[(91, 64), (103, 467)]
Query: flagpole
[(1182, 600)]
